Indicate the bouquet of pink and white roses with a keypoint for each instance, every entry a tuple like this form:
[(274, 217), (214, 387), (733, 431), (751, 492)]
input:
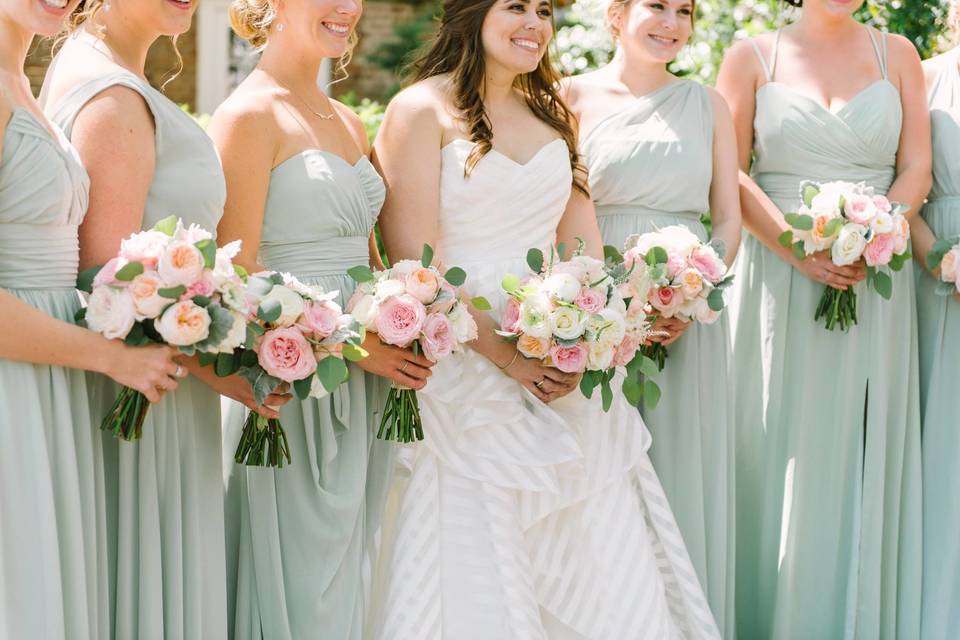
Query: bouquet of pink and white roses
[(946, 255), (852, 223), (170, 285), (296, 334), (574, 315), (679, 275), (413, 305)]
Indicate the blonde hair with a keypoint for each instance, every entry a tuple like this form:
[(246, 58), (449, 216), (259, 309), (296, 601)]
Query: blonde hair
[(621, 5), (252, 20), (86, 13)]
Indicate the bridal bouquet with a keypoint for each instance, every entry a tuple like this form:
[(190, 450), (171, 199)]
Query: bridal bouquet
[(573, 315), (170, 285), (853, 223), (413, 305), (296, 334), (946, 255), (681, 277)]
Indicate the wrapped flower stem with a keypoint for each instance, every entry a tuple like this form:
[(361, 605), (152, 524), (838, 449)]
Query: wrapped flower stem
[(401, 417), (263, 443), (126, 415)]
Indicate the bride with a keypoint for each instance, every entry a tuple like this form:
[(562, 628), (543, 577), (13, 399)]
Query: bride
[(527, 512)]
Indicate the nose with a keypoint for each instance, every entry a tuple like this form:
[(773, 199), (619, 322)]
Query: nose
[(670, 20), (350, 7)]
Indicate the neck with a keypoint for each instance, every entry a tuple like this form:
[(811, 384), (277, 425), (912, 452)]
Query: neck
[(127, 42), (14, 44), (821, 26), (298, 70), (497, 85), (640, 76)]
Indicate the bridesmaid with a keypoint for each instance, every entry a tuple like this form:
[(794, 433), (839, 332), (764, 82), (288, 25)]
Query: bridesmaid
[(147, 159), (638, 119), (303, 198), (828, 459), (53, 568), (939, 324)]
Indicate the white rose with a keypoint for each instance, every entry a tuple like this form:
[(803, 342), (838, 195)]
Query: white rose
[(534, 316), (567, 323), (608, 326), (593, 268), (145, 247), (232, 296), (192, 234), (851, 241), (825, 203), (563, 286), (291, 304), (882, 222), (237, 335), (389, 288), (365, 311), (111, 312), (704, 314), (183, 324), (463, 324), (403, 268), (181, 263), (600, 355), (679, 239), (146, 300)]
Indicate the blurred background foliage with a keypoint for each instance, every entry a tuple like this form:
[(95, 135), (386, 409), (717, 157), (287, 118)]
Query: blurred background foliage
[(582, 42)]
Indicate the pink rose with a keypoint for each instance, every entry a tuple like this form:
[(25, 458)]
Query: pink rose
[(108, 273), (666, 300), (901, 234), (950, 266), (446, 299), (320, 318), (706, 260), (633, 256), (510, 318), (591, 300), (882, 204), (880, 250), (202, 287), (570, 359), (625, 351), (859, 208), (422, 284), (400, 320), (145, 247), (284, 353), (439, 337), (675, 264)]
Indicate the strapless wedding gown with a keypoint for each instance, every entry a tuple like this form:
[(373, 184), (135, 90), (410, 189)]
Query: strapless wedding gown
[(515, 520)]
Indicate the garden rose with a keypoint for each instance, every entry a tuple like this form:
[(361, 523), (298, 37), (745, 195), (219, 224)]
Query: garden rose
[(567, 323), (184, 323), (901, 234), (949, 266), (320, 318), (205, 286), (859, 209), (108, 272), (570, 359), (879, 250), (291, 304), (817, 240), (364, 308), (849, 246), (690, 282), (533, 347), (591, 300), (403, 267), (439, 337), (400, 320), (284, 353), (708, 262), (111, 312), (562, 285), (625, 352), (145, 247), (600, 356), (181, 263), (666, 301), (146, 300), (510, 317), (423, 285), (534, 316)]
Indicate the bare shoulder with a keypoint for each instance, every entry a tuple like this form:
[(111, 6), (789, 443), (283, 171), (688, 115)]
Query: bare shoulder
[(718, 102), (247, 113), (423, 108), (576, 88), (933, 67), (354, 125), (901, 54), (117, 107)]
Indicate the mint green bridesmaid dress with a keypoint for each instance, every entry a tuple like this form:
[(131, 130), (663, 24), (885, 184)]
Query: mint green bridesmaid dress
[(939, 371), (298, 537), (53, 569), (165, 491), (828, 433), (651, 165)]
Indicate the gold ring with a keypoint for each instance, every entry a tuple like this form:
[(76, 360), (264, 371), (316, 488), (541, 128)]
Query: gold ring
[(179, 370), (539, 383), (405, 363)]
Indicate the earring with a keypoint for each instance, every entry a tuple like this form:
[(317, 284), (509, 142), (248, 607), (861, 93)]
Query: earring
[(280, 26), (107, 6)]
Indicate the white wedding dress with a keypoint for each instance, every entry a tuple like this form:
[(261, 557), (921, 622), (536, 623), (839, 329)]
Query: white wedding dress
[(515, 520)]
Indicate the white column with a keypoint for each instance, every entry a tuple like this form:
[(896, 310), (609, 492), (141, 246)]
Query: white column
[(213, 54)]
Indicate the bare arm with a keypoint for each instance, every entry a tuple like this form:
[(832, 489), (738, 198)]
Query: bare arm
[(738, 81), (724, 188)]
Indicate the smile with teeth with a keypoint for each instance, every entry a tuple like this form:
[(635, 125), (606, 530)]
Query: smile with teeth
[(663, 39), (523, 43), (56, 4), (339, 29)]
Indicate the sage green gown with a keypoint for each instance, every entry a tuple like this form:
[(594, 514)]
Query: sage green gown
[(298, 536), (165, 491), (651, 166), (53, 568), (939, 371), (828, 423)]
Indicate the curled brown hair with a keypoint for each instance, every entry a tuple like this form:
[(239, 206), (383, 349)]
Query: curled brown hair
[(457, 51)]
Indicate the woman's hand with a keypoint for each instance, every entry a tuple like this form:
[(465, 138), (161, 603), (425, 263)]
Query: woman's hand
[(151, 370), (399, 365), (673, 327), (237, 388), (820, 268), (545, 382)]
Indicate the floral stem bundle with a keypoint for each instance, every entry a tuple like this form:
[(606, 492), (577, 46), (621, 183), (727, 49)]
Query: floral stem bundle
[(168, 285), (853, 223), (412, 305)]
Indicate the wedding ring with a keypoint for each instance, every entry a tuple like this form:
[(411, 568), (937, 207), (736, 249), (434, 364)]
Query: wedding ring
[(539, 383), (179, 372), (405, 363)]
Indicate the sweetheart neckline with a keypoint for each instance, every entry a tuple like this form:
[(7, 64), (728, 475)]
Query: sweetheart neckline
[(530, 161), (809, 98)]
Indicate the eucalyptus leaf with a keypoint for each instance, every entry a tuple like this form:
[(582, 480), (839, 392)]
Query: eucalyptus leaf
[(481, 304), (129, 271), (809, 191), (361, 273), (651, 394), (172, 292), (269, 310), (715, 300), (883, 283), (261, 383), (167, 226), (208, 249), (427, 256), (302, 387), (455, 276), (606, 396), (535, 260), (332, 372), (354, 353), (632, 390), (510, 283), (786, 238), (86, 277)]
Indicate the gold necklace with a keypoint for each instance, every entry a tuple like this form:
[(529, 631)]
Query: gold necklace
[(322, 116)]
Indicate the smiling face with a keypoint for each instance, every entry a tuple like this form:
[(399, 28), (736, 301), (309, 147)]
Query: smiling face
[(44, 17), (322, 25), (652, 29), (515, 34)]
